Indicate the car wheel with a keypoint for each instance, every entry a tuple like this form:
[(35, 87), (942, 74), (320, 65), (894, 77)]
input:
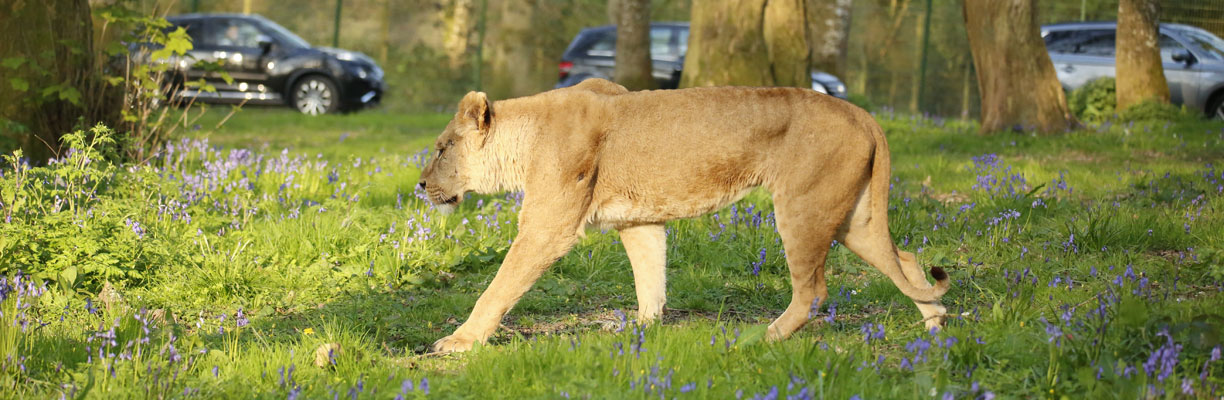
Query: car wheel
[(314, 95), (1217, 108)]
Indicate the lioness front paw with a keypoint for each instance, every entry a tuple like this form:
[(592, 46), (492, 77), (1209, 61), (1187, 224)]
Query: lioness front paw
[(454, 344), (935, 323)]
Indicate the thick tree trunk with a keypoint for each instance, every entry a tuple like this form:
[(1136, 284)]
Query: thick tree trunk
[(633, 66), (55, 85), (829, 34), (747, 43), (1140, 75), (1018, 86)]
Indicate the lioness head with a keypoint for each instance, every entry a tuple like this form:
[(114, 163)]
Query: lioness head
[(450, 173)]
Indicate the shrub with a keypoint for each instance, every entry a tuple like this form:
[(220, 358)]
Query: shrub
[(57, 227), (1151, 110), (862, 101), (1095, 101)]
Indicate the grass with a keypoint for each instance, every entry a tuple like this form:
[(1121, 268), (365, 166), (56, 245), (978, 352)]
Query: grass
[(1084, 265)]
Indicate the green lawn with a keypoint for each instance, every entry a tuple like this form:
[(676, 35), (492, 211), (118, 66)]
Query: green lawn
[(1084, 265)]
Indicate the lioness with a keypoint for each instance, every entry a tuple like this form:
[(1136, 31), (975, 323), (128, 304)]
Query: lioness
[(597, 154)]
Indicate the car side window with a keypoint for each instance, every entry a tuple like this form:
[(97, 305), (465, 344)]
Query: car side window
[(1169, 47), (605, 46), (235, 33), (1100, 43), (682, 42), (198, 31), (660, 43), (1060, 42)]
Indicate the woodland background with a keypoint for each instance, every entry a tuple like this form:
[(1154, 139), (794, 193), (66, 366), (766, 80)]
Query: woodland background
[(428, 47)]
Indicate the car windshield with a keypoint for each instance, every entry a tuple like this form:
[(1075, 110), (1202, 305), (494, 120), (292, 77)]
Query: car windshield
[(1209, 45), (292, 39)]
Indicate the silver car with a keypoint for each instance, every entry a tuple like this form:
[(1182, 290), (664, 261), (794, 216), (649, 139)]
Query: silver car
[(1193, 60)]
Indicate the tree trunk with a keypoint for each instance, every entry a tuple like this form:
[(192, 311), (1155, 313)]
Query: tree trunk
[(786, 41), (747, 43), (1140, 74), (633, 66), (1018, 86), (459, 33), (55, 85), (829, 34), (512, 45)]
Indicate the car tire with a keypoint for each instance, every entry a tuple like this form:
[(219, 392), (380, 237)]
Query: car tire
[(315, 95), (1215, 109)]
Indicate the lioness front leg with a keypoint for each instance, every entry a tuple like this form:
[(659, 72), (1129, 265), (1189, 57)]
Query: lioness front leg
[(534, 250), (646, 246)]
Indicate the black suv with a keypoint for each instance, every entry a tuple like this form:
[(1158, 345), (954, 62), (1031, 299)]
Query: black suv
[(271, 65), (592, 54)]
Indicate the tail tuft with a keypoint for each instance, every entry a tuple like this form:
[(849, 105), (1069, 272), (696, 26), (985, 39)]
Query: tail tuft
[(939, 274)]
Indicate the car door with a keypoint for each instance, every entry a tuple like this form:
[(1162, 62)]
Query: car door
[(664, 57), (235, 43), (1182, 77), (601, 55), (200, 31)]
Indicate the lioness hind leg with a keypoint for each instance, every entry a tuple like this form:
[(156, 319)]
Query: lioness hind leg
[(872, 242), (932, 313), (646, 246), (806, 232)]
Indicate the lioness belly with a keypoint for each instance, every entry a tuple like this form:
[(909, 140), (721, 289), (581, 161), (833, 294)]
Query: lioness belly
[(617, 211)]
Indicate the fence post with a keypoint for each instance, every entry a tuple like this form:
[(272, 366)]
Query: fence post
[(336, 25), (926, 44), (480, 36)]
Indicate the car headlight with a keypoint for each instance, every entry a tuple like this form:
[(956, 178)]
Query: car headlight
[(819, 87)]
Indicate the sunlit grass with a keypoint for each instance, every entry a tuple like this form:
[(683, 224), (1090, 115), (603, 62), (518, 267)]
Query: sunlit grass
[(1069, 254)]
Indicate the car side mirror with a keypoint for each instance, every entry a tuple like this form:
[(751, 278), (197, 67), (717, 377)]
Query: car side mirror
[(1184, 57), (265, 43)]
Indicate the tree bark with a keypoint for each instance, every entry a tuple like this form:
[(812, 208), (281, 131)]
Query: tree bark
[(459, 32), (1140, 73), (786, 41), (633, 66), (747, 43), (56, 84), (1018, 86), (829, 34)]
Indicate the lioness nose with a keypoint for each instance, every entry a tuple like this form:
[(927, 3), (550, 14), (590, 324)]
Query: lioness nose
[(421, 184)]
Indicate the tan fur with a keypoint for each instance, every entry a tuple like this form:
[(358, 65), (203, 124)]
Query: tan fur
[(596, 154)]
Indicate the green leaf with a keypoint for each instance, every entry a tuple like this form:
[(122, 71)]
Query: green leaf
[(753, 335), (177, 43), (19, 84), (13, 62), (71, 94), (67, 277)]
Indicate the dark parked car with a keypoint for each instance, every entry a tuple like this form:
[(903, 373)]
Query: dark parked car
[(592, 54), (1193, 60), (271, 65)]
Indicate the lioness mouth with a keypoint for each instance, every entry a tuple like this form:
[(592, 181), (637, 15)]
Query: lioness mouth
[(452, 200)]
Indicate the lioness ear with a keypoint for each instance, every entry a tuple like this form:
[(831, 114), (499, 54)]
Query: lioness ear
[(475, 105)]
